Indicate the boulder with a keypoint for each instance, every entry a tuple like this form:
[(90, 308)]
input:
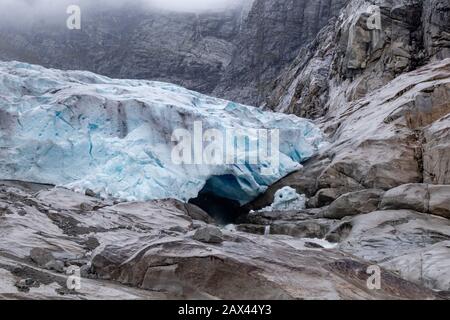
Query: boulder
[(41, 257), (208, 234), (409, 196), (354, 203), (432, 199), (324, 197)]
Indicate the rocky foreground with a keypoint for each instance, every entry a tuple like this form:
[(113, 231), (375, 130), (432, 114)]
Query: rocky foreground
[(378, 194), (167, 249)]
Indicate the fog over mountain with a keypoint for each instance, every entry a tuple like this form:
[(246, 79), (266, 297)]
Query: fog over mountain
[(233, 49), (22, 12)]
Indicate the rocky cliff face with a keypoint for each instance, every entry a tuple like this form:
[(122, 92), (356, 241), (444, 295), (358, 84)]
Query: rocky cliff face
[(351, 57), (381, 93), (236, 53), (192, 50), (167, 250), (270, 39)]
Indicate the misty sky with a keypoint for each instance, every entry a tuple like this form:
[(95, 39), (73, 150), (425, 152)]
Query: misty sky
[(26, 11)]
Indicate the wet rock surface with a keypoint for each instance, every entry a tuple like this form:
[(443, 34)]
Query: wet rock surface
[(411, 243), (208, 235), (147, 251), (433, 199), (354, 203)]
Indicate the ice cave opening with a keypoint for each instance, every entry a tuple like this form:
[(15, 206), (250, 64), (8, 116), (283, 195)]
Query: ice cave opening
[(219, 199)]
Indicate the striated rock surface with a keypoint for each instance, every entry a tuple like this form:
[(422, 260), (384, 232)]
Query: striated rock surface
[(433, 199), (146, 251), (382, 96), (370, 44), (436, 152), (374, 143), (381, 92), (413, 244), (270, 38)]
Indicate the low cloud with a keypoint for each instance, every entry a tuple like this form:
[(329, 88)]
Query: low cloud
[(17, 12)]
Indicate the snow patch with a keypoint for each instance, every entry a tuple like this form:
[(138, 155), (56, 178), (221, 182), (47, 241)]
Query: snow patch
[(287, 199)]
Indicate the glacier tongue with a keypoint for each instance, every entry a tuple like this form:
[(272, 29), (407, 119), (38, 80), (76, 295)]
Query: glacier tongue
[(82, 130)]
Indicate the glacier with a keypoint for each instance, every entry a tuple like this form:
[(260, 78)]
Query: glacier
[(85, 131)]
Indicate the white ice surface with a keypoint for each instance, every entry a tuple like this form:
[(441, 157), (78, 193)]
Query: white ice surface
[(82, 130)]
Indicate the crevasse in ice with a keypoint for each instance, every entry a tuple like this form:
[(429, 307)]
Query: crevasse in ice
[(82, 130)]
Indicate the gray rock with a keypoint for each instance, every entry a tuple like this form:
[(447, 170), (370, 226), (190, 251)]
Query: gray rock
[(433, 199), (439, 200), (368, 57), (24, 285), (380, 95), (147, 256), (314, 228), (188, 49), (436, 153), (85, 271), (234, 53), (197, 213), (354, 203), (264, 49), (324, 197), (414, 244), (41, 257), (251, 267), (409, 196), (251, 228), (91, 243), (86, 207), (208, 234), (90, 193), (55, 265), (429, 266)]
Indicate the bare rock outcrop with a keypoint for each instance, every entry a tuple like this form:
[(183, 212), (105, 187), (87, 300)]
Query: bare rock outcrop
[(146, 251), (270, 38), (354, 203), (378, 81), (393, 136), (436, 152), (433, 199), (413, 244)]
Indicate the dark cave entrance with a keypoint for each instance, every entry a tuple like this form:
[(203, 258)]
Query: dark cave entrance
[(216, 198)]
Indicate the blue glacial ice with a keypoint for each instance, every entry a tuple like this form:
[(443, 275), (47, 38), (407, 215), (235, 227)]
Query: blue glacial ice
[(81, 130)]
